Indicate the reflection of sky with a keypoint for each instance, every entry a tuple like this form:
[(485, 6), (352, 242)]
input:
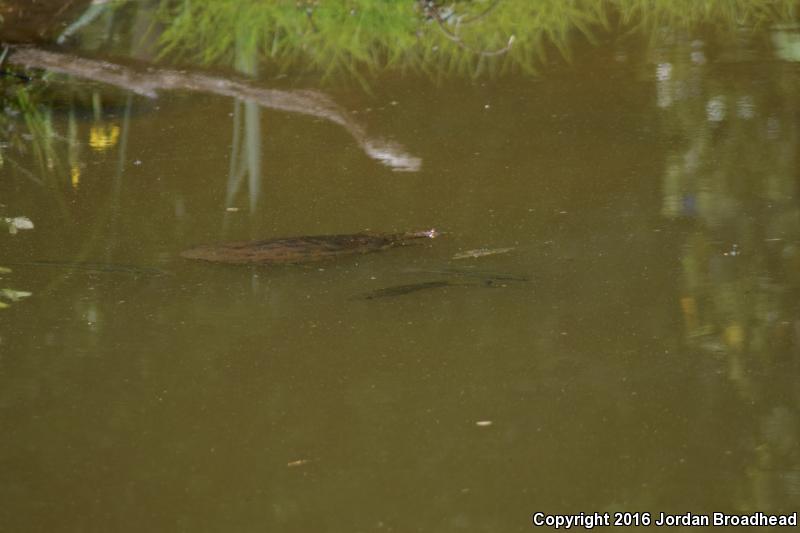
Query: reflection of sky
[(664, 84), (716, 109), (787, 43)]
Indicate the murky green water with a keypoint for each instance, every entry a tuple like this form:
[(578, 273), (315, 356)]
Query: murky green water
[(648, 362)]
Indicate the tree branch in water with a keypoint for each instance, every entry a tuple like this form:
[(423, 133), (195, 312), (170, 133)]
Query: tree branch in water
[(148, 81)]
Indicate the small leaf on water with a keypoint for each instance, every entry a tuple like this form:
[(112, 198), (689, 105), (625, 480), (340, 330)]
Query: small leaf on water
[(4, 270)]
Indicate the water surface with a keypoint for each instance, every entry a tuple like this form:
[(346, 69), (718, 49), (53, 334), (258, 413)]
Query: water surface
[(647, 364)]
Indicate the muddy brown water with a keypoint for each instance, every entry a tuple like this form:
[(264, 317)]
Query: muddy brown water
[(648, 364)]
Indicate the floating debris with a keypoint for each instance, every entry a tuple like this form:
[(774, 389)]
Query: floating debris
[(293, 250), (483, 423), (481, 252), (17, 223), (299, 462)]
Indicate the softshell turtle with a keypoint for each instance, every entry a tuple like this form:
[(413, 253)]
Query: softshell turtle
[(292, 250)]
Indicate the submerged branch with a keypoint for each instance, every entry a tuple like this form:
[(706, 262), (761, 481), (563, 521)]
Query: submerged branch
[(147, 81)]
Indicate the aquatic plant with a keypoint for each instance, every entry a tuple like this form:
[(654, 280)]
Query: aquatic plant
[(359, 37), (683, 14), (477, 37), (25, 125)]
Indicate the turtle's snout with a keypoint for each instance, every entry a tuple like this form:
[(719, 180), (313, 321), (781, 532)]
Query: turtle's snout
[(426, 234)]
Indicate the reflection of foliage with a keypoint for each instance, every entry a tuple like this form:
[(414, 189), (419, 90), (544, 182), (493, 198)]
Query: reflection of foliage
[(365, 36), (40, 129), (733, 177), (33, 133), (730, 14)]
